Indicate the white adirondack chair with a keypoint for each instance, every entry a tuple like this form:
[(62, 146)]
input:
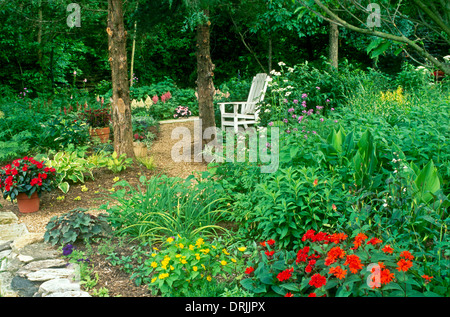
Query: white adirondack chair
[(244, 112)]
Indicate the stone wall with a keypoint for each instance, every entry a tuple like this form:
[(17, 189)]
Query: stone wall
[(29, 267)]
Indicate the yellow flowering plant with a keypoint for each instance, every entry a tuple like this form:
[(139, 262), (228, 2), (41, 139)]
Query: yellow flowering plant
[(181, 265)]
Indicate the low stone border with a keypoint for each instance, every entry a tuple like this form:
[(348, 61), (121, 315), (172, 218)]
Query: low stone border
[(29, 267), (179, 120)]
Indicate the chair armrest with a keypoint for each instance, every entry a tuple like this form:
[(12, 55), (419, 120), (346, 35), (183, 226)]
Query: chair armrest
[(235, 105)]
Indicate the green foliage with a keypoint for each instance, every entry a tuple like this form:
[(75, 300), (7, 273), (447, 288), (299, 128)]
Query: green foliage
[(164, 207), (72, 226), (185, 267), (117, 163), (71, 168)]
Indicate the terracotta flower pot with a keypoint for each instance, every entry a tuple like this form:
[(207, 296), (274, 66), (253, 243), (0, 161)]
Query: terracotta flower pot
[(28, 204), (102, 133)]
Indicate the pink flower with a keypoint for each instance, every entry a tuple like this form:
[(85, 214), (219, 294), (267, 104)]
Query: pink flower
[(155, 99), (304, 96)]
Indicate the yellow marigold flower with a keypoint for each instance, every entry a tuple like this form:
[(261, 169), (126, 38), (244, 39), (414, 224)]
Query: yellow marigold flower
[(183, 261), (155, 248), (199, 242), (225, 251), (223, 262), (163, 276), (178, 256), (213, 246), (153, 255), (172, 268), (170, 239), (180, 245), (191, 247), (195, 268), (154, 264), (154, 279), (197, 256), (208, 278), (205, 251), (242, 249), (203, 266), (233, 260)]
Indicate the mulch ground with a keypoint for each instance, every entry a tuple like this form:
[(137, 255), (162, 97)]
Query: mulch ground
[(111, 277)]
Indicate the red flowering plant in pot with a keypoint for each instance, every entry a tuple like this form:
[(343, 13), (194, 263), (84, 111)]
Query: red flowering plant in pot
[(26, 177), (98, 121)]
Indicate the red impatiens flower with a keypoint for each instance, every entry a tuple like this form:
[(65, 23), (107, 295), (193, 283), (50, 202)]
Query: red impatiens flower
[(318, 280)]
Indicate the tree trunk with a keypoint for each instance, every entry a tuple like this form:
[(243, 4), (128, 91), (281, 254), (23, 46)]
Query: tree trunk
[(205, 73), (121, 112), (333, 46)]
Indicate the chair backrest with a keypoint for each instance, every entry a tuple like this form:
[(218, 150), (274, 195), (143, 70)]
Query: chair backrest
[(257, 92)]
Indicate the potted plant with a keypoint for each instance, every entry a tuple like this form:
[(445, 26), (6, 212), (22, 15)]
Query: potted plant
[(25, 179), (98, 120), (140, 147)]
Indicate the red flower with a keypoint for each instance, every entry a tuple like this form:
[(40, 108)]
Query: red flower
[(302, 255), (406, 255), (338, 272), (337, 237), (25, 168), (404, 265), (249, 270), (386, 276), (360, 237), (318, 280), (333, 255), (285, 275), (354, 263), (427, 278), (289, 295), (308, 235), (269, 253), (387, 249), (312, 295), (374, 241), (270, 242)]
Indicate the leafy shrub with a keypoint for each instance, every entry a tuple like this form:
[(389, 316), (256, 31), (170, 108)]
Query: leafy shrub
[(59, 132), (72, 226), (117, 163)]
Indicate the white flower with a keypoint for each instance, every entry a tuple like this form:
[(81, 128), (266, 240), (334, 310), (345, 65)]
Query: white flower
[(290, 69), (281, 64)]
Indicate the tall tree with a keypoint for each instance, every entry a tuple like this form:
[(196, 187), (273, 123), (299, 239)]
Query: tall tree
[(121, 111), (427, 25)]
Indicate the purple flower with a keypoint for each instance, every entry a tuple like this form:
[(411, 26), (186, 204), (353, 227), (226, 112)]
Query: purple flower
[(328, 100), (291, 109), (68, 249), (318, 88), (285, 120), (295, 101), (332, 109), (270, 123), (304, 96), (321, 119)]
